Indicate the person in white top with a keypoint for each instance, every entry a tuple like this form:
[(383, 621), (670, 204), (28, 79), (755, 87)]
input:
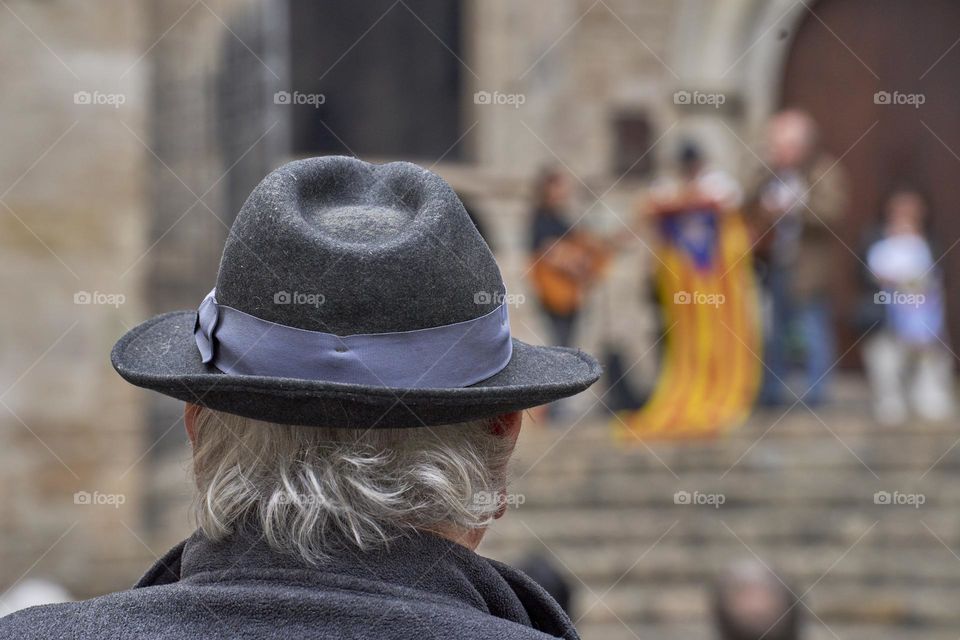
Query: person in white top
[(908, 363)]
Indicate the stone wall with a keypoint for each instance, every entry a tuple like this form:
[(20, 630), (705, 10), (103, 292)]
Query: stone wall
[(73, 188)]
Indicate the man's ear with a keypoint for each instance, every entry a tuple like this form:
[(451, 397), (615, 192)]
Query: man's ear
[(190, 412), (508, 425)]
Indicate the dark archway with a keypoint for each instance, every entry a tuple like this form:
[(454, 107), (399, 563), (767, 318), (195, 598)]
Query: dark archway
[(840, 59), (381, 79)]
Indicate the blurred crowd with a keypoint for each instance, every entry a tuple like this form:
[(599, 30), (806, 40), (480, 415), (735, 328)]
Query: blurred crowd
[(791, 205)]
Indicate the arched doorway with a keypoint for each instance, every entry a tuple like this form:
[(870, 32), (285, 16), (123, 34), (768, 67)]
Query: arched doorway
[(390, 75), (296, 70), (843, 54)]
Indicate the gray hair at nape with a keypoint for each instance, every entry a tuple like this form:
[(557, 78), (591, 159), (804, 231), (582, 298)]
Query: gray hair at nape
[(311, 489)]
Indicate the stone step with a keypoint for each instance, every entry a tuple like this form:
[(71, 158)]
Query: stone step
[(792, 428), (851, 487), (880, 452), (799, 525), (798, 423), (879, 605), (798, 492), (678, 563)]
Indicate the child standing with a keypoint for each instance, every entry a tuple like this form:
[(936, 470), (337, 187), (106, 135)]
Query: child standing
[(908, 363)]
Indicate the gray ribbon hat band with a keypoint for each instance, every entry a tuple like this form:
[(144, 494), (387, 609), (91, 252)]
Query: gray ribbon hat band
[(452, 355)]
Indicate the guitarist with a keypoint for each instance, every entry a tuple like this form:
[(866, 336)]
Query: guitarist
[(566, 260)]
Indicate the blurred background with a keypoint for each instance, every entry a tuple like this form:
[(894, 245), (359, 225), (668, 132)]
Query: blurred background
[(647, 130)]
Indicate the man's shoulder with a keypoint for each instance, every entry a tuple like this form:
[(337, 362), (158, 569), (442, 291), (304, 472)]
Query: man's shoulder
[(165, 612), (126, 610), (42, 622)]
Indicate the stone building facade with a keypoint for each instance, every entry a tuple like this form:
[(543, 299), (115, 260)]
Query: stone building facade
[(75, 205)]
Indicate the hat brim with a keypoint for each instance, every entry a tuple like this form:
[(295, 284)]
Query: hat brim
[(161, 354)]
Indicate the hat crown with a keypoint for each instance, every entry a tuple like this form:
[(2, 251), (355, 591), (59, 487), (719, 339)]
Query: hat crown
[(342, 246)]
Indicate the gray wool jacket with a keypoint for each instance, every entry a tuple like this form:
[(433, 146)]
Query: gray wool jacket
[(423, 587)]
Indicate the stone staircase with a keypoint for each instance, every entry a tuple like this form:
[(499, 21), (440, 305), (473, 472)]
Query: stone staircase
[(798, 493)]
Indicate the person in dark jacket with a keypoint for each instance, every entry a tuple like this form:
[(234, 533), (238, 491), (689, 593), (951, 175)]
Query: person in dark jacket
[(566, 259), (352, 402), (794, 203)]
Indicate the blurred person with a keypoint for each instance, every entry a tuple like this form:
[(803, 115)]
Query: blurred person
[(907, 353), (350, 451), (694, 183), (750, 602), (705, 290), (800, 193), (566, 260), (686, 194)]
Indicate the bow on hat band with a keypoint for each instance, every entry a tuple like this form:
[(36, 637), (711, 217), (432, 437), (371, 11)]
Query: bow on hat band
[(453, 355)]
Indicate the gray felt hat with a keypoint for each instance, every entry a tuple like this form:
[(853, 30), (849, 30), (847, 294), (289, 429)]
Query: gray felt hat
[(352, 295)]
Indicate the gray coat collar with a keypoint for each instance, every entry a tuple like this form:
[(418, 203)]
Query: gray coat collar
[(417, 568)]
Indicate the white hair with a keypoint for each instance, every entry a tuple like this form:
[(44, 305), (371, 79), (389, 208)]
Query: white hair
[(312, 488)]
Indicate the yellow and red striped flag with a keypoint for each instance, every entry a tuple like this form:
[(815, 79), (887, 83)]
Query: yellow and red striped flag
[(711, 367)]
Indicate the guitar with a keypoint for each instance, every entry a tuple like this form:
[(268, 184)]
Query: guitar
[(563, 273)]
